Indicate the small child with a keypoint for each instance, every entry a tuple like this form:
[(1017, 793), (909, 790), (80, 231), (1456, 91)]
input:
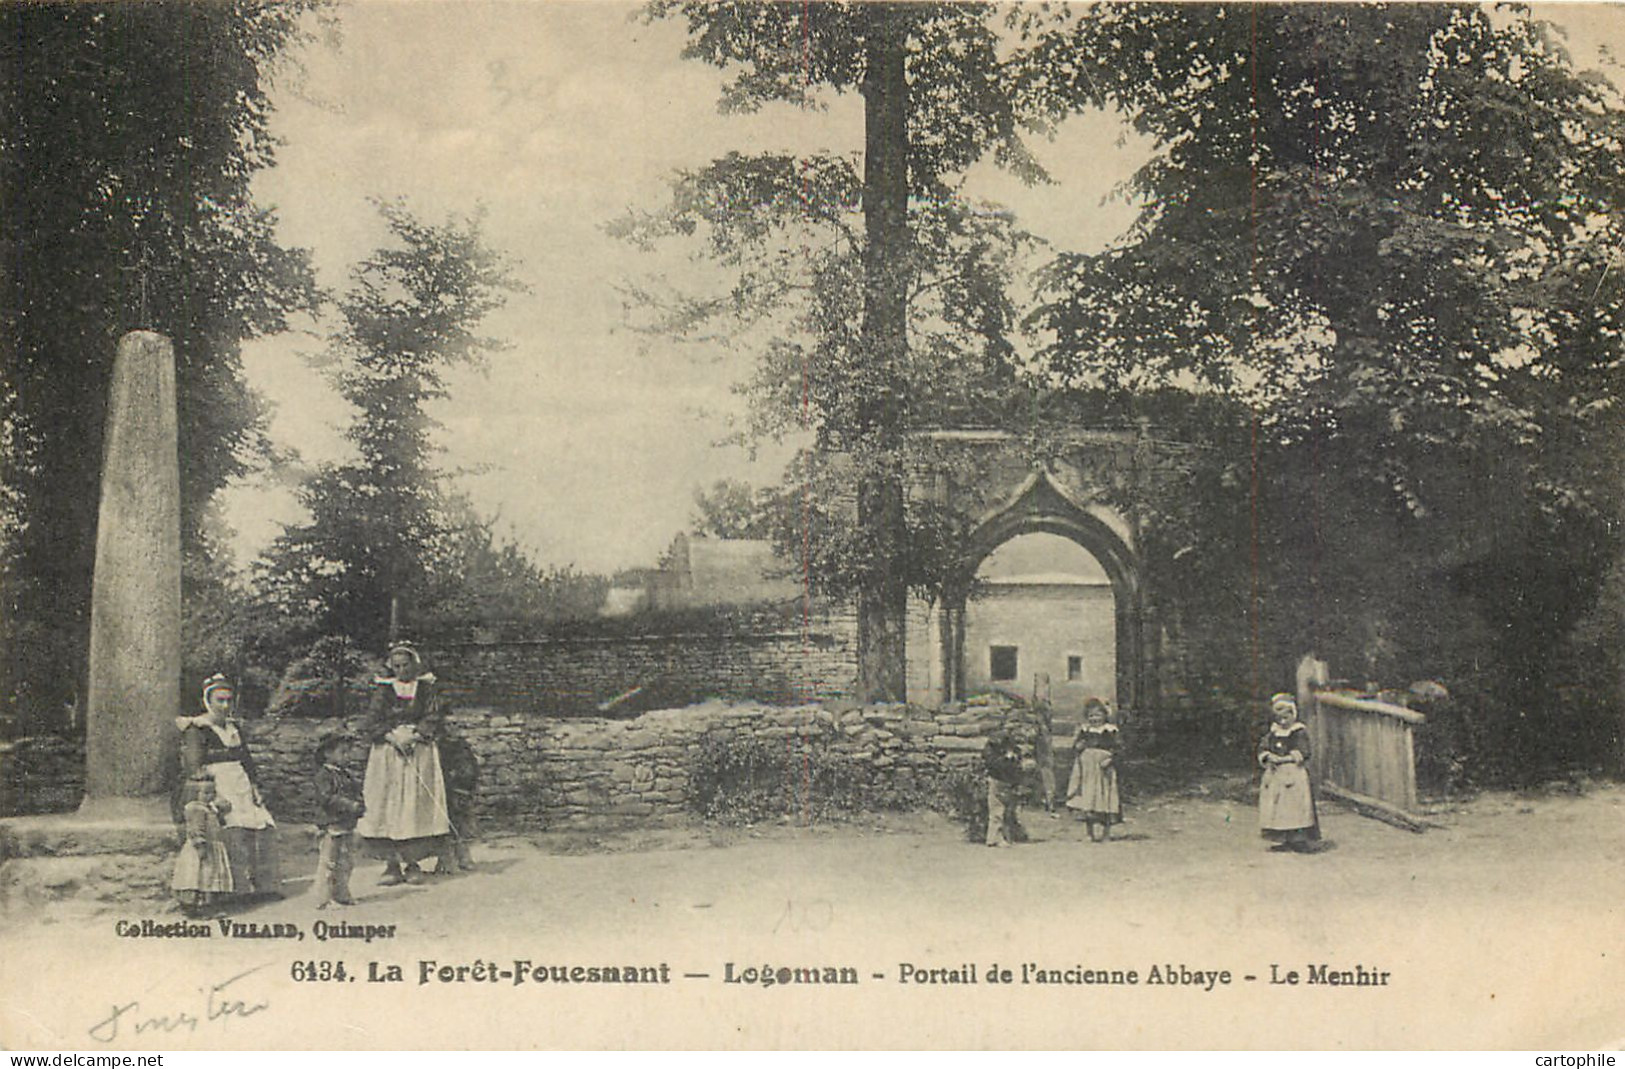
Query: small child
[(1044, 754), (460, 768), (1286, 801), (1006, 771), (1093, 790), (338, 796), (203, 869)]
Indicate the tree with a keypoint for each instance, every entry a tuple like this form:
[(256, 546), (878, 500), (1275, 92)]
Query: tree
[(894, 323), (129, 134), (1385, 232), (732, 508), (1370, 233), (411, 313), (475, 578)]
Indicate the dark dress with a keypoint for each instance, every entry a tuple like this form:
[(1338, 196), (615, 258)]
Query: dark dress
[(1286, 803), (247, 827)]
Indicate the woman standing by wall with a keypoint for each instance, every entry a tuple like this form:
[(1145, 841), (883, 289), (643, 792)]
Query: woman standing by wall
[(212, 745), (404, 790)]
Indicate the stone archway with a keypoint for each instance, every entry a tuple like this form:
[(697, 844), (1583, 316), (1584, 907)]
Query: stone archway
[(1042, 505)]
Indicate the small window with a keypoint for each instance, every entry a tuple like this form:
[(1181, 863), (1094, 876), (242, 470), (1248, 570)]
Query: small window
[(1074, 667), (1002, 661)]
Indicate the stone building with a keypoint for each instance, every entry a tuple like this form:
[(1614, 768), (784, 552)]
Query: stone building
[(700, 571), (1048, 633)]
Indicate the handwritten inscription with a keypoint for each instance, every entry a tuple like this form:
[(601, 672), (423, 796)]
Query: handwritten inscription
[(814, 916), (218, 1005)]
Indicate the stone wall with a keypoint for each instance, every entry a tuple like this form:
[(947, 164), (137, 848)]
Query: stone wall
[(583, 675), (539, 770), (41, 774)]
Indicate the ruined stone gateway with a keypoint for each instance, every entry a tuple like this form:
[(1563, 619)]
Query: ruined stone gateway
[(1075, 485)]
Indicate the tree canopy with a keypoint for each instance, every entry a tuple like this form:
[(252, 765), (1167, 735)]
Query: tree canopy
[(129, 134), (1384, 233), (1391, 213), (378, 521)]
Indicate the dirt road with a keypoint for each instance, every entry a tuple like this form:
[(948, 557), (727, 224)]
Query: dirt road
[(1501, 928)]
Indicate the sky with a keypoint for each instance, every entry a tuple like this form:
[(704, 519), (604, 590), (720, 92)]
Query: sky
[(585, 440)]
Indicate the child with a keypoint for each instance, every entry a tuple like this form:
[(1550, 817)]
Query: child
[(1044, 754), (338, 797), (1005, 772), (1093, 790), (203, 869), (1286, 805), (461, 769)]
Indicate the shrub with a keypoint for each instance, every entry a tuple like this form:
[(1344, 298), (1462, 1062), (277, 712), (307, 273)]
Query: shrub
[(331, 678), (743, 779)]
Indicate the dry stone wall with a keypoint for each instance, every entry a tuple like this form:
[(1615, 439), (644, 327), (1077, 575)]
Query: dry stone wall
[(41, 774), (573, 675), (539, 771)]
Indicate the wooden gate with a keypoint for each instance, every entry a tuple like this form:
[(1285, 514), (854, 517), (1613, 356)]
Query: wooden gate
[(1364, 749)]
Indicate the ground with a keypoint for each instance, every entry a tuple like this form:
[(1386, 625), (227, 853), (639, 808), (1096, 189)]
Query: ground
[(1499, 927)]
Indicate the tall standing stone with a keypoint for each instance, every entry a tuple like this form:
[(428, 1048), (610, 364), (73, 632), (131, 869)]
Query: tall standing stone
[(135, 623)]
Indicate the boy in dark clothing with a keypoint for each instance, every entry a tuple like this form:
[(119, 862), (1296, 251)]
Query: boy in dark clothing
[(338, 800), (460, 768), (1005, 771)]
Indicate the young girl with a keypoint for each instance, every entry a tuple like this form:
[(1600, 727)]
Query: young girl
[(203, 869), (1286, 805), (1093, 790)]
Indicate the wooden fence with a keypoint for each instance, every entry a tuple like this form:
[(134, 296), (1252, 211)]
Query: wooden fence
[(1364, 749)]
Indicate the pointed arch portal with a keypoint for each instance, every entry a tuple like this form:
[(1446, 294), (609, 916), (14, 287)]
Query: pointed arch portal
[(1015, 491), (1040, 505)]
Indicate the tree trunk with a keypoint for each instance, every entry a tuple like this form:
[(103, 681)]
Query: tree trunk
[(883, 596)]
